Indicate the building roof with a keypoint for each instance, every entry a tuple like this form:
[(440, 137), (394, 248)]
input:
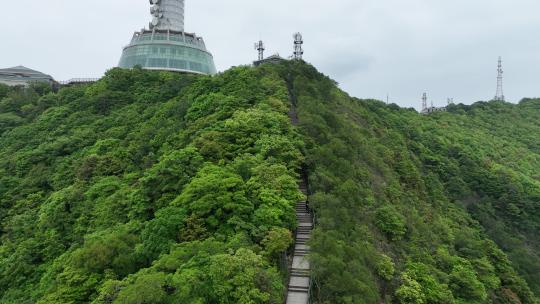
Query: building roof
[(21, 73), (274, 59)]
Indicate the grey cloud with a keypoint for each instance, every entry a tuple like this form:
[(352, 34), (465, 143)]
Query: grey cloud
[(371, 47)]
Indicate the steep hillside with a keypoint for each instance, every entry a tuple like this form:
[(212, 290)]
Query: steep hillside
[(148, 187), (153, 187)]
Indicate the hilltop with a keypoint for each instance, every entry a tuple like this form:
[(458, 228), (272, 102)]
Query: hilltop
[(155, 187)]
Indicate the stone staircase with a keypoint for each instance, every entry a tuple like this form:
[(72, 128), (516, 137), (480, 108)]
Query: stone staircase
[(298, 290)]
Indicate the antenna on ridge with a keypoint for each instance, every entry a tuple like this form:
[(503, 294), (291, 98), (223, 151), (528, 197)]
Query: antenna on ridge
[(499, 96), (259, 46), (298, 51), (424, 102)]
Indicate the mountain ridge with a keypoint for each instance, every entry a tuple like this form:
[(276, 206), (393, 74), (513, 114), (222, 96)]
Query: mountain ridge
[(165, 181)]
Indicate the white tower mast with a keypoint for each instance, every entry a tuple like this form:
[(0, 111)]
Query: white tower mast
[(167, 15)]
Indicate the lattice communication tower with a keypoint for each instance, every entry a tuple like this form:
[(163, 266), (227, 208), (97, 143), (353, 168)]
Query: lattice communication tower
[(259, 46), (499, 95), (424, 102), (298, 42)]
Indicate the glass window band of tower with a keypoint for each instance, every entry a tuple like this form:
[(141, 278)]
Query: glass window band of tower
[(168, 51)]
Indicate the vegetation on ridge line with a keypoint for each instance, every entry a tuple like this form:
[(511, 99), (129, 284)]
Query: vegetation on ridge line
[(148, 187), (153, 187), (416, 209)]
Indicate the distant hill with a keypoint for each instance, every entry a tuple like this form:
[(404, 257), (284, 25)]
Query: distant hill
[(154, 187)]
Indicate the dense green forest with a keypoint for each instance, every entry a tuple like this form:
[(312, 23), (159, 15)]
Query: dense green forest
[(155, 187), (148, 187), (411, 208)]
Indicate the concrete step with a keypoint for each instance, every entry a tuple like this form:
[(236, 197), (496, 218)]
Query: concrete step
[(301, 247), (300, 273), (299, 283), (298, 288), (297, 297)]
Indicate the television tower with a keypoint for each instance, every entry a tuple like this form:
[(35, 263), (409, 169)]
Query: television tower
[(167, 15), (259, 46), (165, 45), (298, 51), (499, 96)]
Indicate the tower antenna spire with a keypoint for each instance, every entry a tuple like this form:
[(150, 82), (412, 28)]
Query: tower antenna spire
[(499, 95)]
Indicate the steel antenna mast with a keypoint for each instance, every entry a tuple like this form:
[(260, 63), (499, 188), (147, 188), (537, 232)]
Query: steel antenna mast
[(424, 102), (298, 51), (499, 96), (259, 46)]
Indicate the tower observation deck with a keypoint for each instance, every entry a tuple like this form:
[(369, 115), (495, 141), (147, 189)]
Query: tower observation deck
[(165, 45)]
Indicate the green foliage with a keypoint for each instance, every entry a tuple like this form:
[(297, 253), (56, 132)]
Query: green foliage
[(385, 267), (434, 290), (277, 241), (389, 221), (465, 284), (218, 198), (410, 292), (103, 186), (199, 272), (4, 89), (168, 177), (431, 191), (153, 187)]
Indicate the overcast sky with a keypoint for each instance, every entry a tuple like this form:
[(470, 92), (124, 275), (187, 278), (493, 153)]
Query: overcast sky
[(371, 47)]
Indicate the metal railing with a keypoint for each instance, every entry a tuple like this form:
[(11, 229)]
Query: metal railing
[(78, 81)]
